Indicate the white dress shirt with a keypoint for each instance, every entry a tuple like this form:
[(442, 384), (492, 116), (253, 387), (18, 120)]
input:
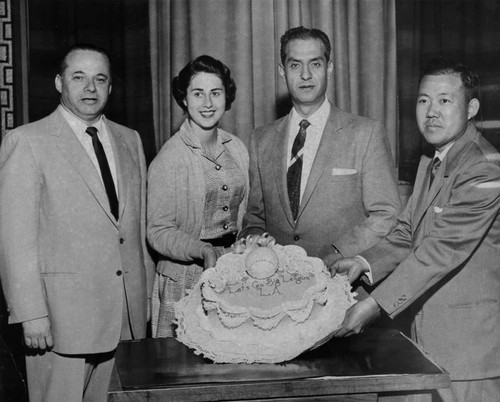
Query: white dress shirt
[(443, 153), (313, 137)]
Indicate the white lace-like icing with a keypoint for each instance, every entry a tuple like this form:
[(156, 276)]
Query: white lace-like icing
[(214, 325)]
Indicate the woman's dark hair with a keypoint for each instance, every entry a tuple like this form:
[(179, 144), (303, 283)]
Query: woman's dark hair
[(203, 64)]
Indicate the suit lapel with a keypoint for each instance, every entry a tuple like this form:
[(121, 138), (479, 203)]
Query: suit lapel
[(324, 154), (428, 195), (71, 148), (124, 162), (422, 189), (279, 160)]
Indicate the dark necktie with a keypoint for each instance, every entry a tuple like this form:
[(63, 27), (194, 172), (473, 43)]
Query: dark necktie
[(105, 171), (436, 162), (295, 170)]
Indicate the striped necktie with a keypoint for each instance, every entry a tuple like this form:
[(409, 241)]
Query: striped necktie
[(295, 170)]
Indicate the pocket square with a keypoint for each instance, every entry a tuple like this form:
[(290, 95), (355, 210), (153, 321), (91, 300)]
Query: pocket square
[(438, 210), (343, 172)]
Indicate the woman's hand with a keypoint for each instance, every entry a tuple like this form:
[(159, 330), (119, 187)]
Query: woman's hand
[(209, 256)]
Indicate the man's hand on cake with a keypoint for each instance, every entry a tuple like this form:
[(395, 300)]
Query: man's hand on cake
[(358, 317), (209, 256), (352, 267), (253, 241), (330, 260), (323, 341)]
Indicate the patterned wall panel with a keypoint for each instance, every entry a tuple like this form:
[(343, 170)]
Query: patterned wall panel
[(6, 67)]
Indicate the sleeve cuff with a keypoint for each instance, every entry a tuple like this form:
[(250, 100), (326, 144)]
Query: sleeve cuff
[(368, 274)]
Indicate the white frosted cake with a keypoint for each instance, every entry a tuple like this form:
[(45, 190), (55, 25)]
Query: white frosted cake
[(262, 303)]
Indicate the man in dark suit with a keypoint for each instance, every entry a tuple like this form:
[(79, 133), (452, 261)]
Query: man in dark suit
[(320, 178), (443, 256), (73, 261)]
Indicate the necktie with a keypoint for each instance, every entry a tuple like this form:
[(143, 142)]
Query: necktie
[(295, 170), (436, 162), (105, 171)]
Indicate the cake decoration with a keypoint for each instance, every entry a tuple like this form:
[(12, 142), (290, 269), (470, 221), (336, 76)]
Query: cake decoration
[(261, 263), (262, 303)]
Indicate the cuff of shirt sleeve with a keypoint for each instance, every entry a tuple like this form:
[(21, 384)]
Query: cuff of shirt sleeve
[(368, 274)]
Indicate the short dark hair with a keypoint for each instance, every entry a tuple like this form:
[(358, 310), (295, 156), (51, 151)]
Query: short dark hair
[(442, 66), (203, 64), (82, 46), (304, 34)]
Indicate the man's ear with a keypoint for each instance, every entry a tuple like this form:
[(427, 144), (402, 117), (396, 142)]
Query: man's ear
[(330, 69), (473, 108), (58, 83), (281, 71)]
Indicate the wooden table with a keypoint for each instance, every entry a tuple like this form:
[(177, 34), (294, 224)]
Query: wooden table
[(379, 364)]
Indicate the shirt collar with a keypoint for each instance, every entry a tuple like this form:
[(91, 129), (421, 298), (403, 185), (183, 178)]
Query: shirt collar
[(317, 119), (77, 124), (192, 140), (441, 155)]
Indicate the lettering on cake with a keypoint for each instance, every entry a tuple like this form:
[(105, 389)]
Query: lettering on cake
[(270, 286), (297, 278), (241, 287)]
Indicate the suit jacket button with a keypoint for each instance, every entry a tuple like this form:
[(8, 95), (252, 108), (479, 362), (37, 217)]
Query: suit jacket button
[(119, 273), (122, 240), (296, 238)]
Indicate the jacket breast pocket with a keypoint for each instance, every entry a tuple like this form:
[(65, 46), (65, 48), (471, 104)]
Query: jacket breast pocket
[(341, 174)]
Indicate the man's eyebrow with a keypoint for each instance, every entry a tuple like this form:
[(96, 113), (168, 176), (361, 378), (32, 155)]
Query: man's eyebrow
[(439, 94), (305, 60)]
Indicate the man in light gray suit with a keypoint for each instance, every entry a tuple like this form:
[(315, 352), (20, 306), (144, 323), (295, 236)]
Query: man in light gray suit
[(320, 178), (443, 256), (73, 259)]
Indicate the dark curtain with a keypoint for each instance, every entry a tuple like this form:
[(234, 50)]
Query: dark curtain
[(119, 26)]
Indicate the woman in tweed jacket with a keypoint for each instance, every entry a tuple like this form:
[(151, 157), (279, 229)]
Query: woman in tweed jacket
[(198, 188)]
